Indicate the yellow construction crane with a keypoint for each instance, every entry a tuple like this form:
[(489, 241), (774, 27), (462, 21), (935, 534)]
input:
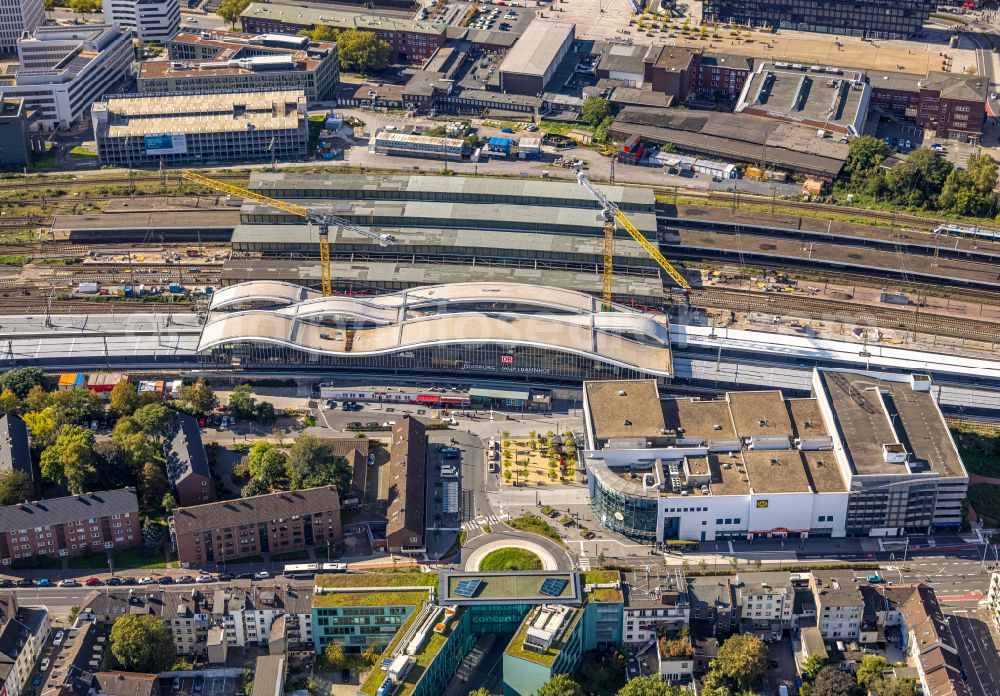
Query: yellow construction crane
[(613, 216), (323, 221)]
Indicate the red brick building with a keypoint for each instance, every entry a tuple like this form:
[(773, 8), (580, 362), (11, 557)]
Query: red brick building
[(721, 74), (187, 463), (951, 105), (70, 526), (670, 70), (273, 523)]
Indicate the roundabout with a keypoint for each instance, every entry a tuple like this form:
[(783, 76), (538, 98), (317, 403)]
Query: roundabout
[(511, 554)]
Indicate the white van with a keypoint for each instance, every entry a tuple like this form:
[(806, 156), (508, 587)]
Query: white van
[(449, 472)]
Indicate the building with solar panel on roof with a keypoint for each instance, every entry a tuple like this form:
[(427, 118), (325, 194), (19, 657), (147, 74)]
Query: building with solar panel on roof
[(427, 624)]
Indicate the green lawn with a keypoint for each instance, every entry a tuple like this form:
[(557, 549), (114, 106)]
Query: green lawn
[(126, 559), (510, 559), (535, 526), (43, 161), (301, 554), (980, 449), (985, 500), (80, 151)]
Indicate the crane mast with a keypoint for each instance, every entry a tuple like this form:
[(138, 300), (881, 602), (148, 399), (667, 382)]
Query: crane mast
[(613, 218), (323, 221)]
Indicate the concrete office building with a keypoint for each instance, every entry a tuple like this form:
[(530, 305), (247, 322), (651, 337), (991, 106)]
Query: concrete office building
[(878, 19), (70, 526), (868, 455), (201, 128), (64, 69), (152, 21), (228, 61), (16, 18), (529, 66), (16, 144), (411, 41), (273, 523)]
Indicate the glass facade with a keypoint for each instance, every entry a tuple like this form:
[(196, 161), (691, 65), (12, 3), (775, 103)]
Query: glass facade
[(525, 363), (885, 19), (632, 516), (357, 627), (885, 503)]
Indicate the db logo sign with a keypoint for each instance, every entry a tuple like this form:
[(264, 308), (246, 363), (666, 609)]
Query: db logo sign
[(507, 359), (762, 503)]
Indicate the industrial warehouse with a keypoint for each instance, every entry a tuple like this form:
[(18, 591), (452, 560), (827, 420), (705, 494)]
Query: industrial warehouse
[(864, 457)]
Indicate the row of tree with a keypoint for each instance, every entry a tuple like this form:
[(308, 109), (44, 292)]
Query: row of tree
[(923, 181)]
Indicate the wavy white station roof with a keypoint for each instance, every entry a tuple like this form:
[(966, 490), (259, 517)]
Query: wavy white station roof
[(560, 320)]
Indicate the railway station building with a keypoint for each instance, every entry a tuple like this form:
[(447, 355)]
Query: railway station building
[(867, 455), (482, 329)]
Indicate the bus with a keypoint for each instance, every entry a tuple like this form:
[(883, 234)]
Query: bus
[(334, 567), (301, 571)]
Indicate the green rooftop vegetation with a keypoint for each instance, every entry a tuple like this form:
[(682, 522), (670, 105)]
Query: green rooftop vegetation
[(423, 659), (606, 595), (376, 598), (346, 580), (377, 676), (516, 646)]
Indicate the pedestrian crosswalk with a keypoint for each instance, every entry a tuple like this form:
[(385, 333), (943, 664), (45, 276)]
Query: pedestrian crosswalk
[(480, 521), (583, 560)]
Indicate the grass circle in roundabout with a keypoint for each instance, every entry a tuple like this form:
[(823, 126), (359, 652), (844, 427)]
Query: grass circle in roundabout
[(510, 559)]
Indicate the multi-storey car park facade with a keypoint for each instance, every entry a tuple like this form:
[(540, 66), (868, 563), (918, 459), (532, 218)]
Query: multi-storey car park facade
[(226, 61), (152, 21), (867, 455), (201, 128), (63, 70), (880, 19), (490, 329)]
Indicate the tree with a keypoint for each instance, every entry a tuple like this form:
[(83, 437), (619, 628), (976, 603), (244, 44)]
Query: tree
[(9, 403), (42, 426), (142, 643), (594, 110), (169, 502), (199, 398), (14, 487), (264, 413), (811, 667), (832, 681), (870, 670), (322, 32), (69, 460), (246, 682), (650, 685), (267, 462), (84, 6), (152, 484), (560, 685), (241, 403), (481, 691), (742, 659), (20, 380), (333, 656), (362, 51), (230, 10), (124, 399), (897, 687), (864, 155), (152, 536), (115, 468), (155, 420), (36, 400), (311, 462), (254, 487), (75, 406)]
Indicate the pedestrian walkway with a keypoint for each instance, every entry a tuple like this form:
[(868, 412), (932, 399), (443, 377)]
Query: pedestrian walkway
[(583, 560), (492, 520)]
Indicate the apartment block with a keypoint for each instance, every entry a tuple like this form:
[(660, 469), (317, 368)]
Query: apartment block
[(226, 61), (839, 605), (187, 463), (654, 605), (765, 602), (273, 523), (62, 70), (24, 632), (952, 105), (201, 128), (152, 21), (70, 526), (16, 18)]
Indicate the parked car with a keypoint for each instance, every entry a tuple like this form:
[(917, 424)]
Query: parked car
[(25, 582), (44, 582), (6, 582), (446, 450), (113, 582), (45, 664), (147, 581), (165, 580), (199, 683), (183, 580), (92, 582), (345, 676), (355, 424), (37, 681), (225, 577), (58, 639), (204, 578), (127, 580), (261, 575)]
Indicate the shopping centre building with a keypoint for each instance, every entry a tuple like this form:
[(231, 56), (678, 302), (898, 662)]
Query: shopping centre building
[(500, 330), (867, 455)]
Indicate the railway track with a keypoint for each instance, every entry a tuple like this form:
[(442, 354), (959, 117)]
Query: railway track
[(848, 313), (37, 305)]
